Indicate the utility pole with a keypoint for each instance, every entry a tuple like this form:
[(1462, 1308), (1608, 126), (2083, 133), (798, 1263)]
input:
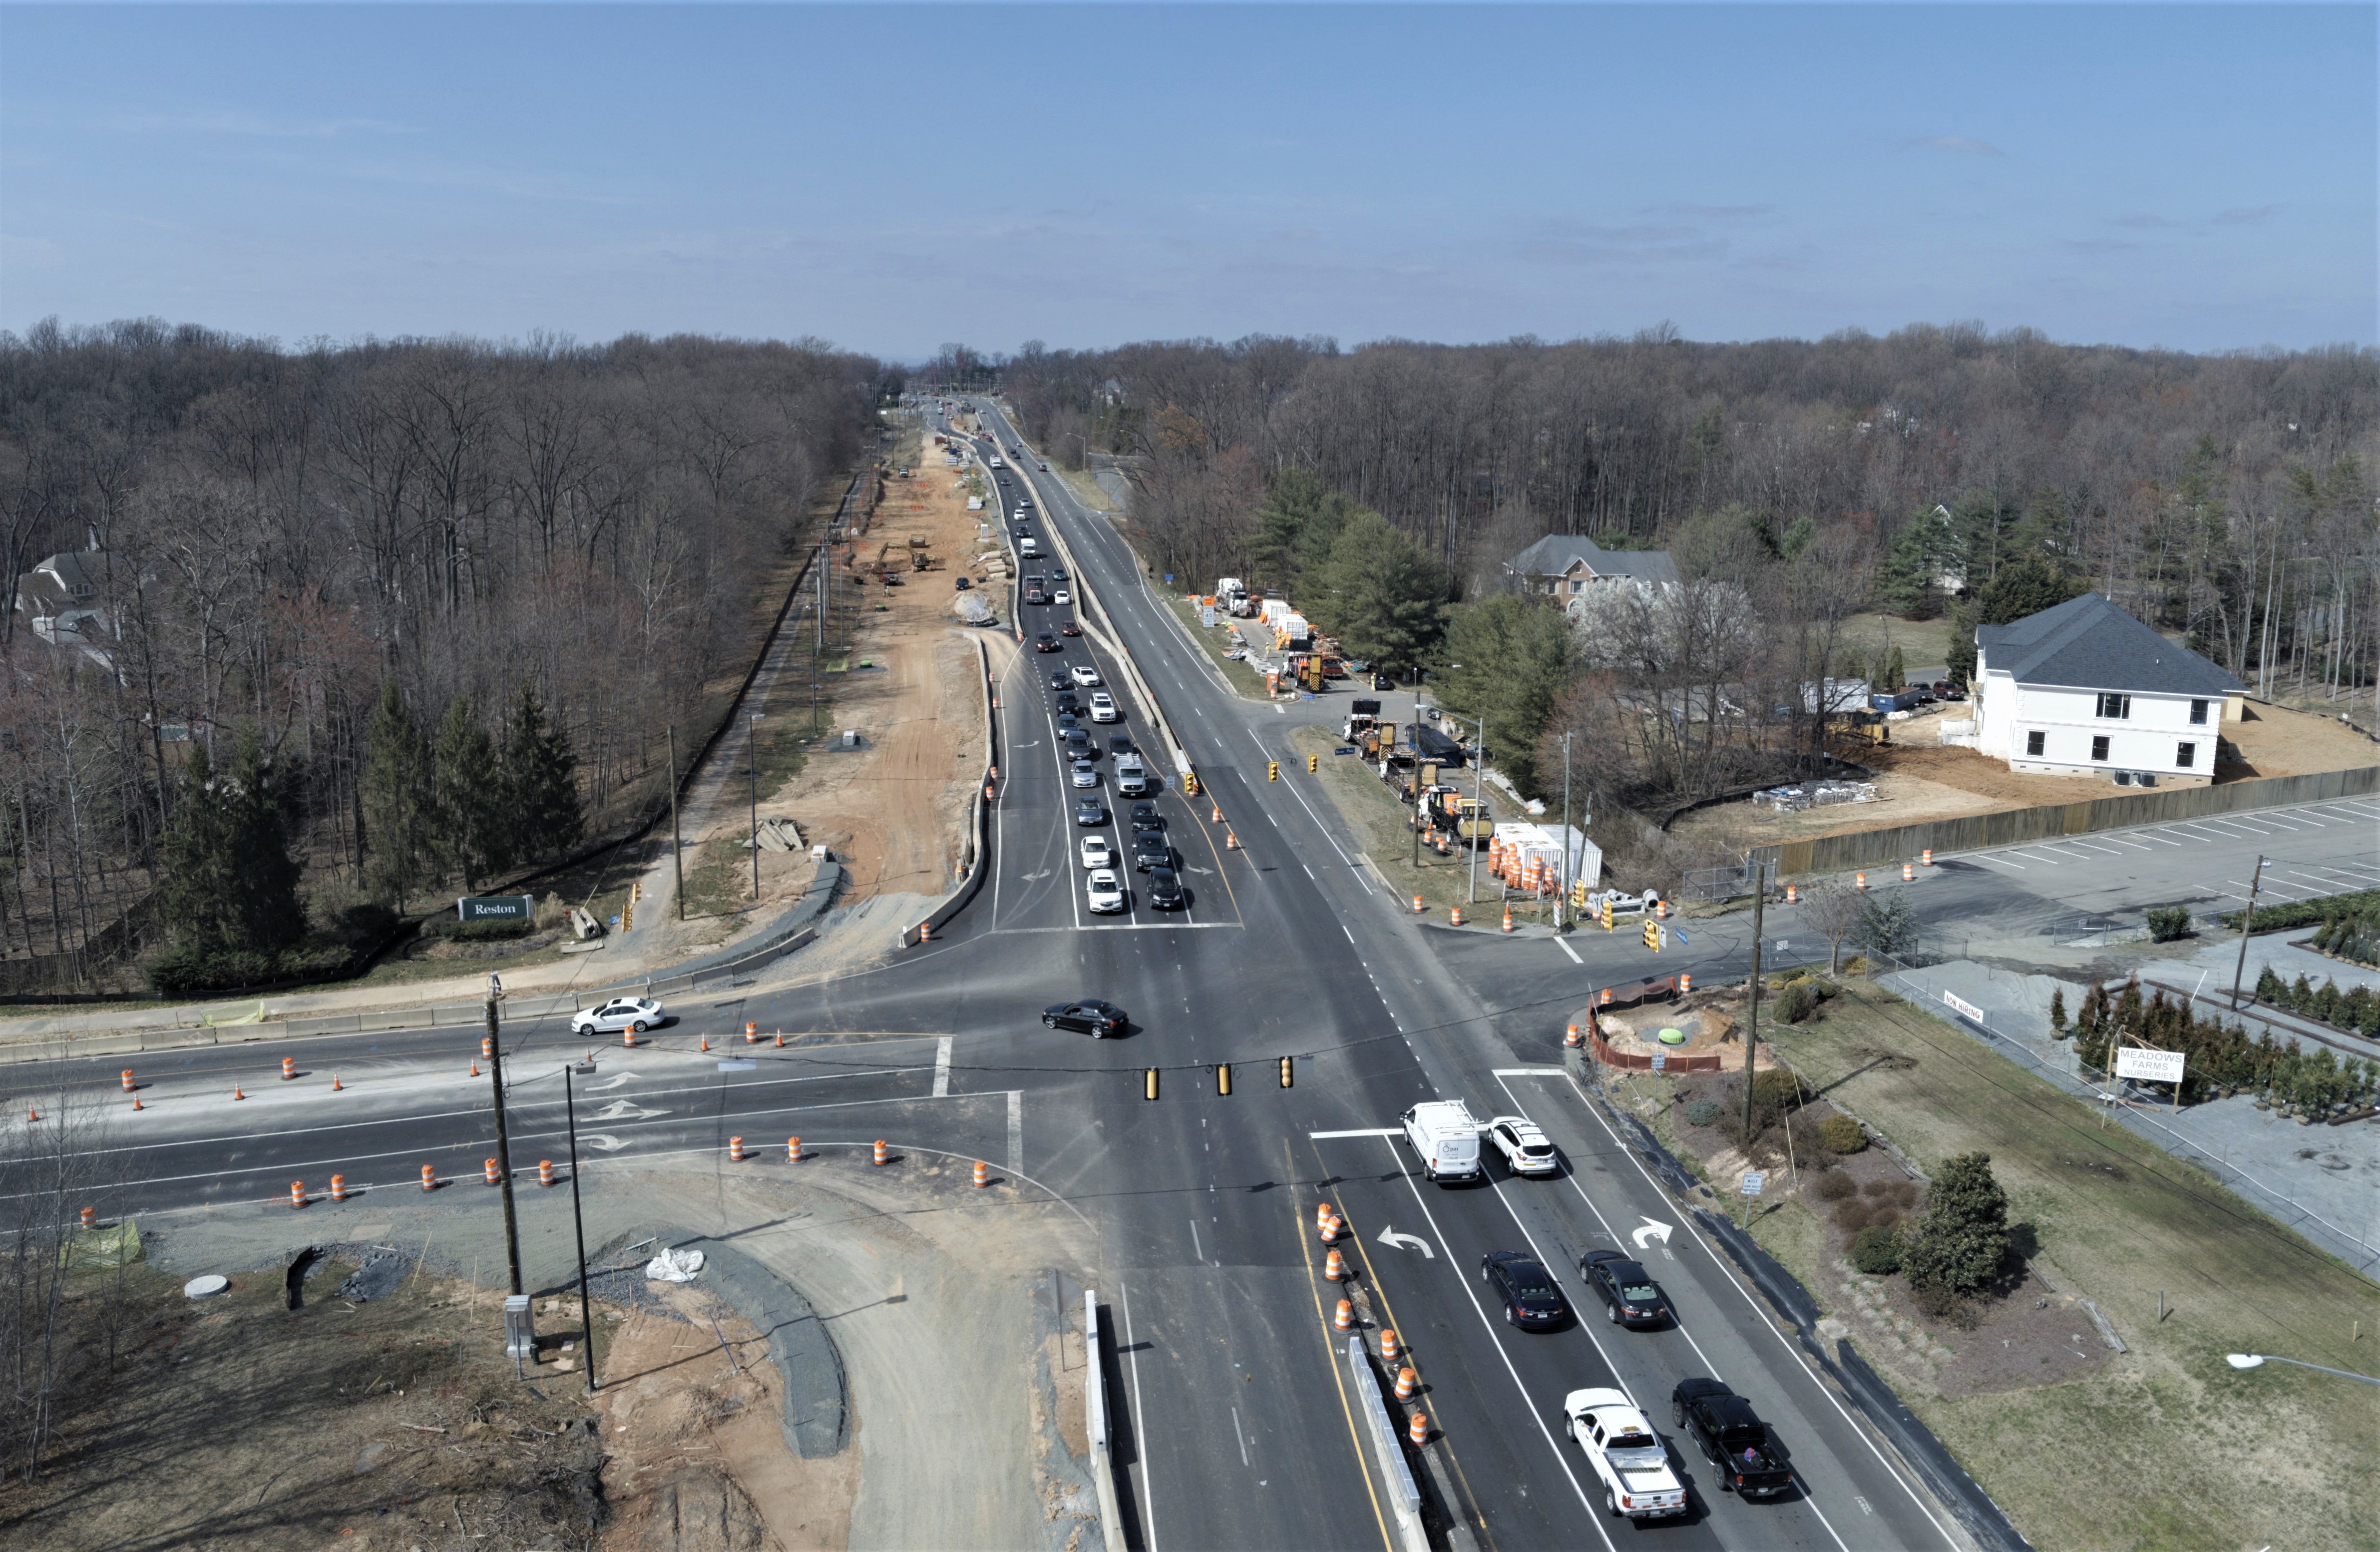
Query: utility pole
[(578, 1222), (504, 1142), (1752, 1019), (2246, 917), (677, 844), (1478, 806), (752, 764), (1419, 809), (1562, 896)]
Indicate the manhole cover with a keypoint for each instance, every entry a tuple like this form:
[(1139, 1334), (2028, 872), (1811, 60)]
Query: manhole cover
[(1672, 1037), (206, 1287)]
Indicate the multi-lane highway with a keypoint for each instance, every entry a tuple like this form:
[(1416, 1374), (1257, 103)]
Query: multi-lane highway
[(1235, 1426)]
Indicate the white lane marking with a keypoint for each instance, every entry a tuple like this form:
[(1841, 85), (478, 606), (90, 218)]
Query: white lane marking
[(1016, 1131), (1360, 1131), (1563, 943), (1241, 1436), (1342, 927), (1527, 1402), (943, 1068), (1525, 1072), (1197, 1252), (1758, 1317), (1139, 1429)]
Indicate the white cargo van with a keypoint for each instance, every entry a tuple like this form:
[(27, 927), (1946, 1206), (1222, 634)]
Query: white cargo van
[(1028, 548), (1445, 1139), (1132, 778)]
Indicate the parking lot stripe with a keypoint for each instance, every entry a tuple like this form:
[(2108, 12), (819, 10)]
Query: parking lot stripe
[(1359, 1132)]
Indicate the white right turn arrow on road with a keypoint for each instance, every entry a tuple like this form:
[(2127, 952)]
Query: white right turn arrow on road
[(1654, 1229)]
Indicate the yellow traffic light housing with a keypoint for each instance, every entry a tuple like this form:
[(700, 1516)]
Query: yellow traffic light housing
[(1272, 770), (1289, 1073), (1652, 934), (1148, 1085), (1313, 764), (1224, 1077)]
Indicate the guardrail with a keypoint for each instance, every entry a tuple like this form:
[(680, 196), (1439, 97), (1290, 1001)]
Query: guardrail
[(1094, 1407)]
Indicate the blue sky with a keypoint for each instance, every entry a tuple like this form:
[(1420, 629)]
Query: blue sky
[(894, 177)]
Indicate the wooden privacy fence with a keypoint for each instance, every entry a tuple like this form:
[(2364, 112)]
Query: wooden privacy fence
[(1868, 849)]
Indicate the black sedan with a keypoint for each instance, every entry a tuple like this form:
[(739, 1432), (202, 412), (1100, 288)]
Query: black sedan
[(1532, 1301), (1165, 890), (1092, 1016), (1059, 681), (1046, 641), (1630, 1297)]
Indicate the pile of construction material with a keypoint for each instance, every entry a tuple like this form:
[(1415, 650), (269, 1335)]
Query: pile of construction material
[(1814, 794), (778, 835), (1529, 857)]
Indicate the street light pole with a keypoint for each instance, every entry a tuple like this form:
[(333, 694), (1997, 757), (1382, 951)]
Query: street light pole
[(1563, 895), (504, 1140), (578, 1222), (2255, 1360), (677, 843)]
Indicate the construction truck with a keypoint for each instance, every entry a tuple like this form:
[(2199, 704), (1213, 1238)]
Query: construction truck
[(1363, 719), (1454, 813)]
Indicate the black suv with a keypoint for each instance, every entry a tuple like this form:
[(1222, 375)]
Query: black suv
[(1094, 1017), (1058, 679), (1066, 704), (1165, 890), (1630, 1297), (1120, 743), (1145, 817), (1151, 850), (1531, 1299)]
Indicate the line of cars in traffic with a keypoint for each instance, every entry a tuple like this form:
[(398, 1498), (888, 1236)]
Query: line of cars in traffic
[(1627, 1453)]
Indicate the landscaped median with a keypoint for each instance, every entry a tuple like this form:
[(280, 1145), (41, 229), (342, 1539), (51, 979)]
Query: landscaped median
[(2161, 1445)]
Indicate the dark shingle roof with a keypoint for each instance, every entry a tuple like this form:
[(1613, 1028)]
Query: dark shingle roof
[(1554, 553), (2089, 644)]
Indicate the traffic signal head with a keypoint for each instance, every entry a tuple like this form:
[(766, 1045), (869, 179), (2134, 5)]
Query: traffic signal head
[(1652, 934), (1288, 1073), (1607, 916), (1272, 770), (1148, 1085), (1313, 764), (1224, 1077)]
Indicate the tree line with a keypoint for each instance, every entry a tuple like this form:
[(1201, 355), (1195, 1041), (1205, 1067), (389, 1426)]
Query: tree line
[(284, 568), (1797, 484)]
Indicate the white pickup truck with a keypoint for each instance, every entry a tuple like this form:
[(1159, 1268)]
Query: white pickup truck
[(1626, 1453)]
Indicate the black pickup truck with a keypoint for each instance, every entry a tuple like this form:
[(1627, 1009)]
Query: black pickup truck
[(1742, 1449)]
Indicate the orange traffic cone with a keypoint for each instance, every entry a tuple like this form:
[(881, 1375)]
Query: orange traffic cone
[(335, 1084)]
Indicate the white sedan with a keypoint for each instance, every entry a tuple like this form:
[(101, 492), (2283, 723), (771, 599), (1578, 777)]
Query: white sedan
[(1525, 1148), (639, 1014), (1085, 774), (1105, 894), (1097, 852), (1086, 676), (1103, 707), (1062, 596)]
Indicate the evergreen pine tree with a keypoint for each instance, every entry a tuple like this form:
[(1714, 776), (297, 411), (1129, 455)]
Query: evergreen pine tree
[(1960, 1242), (540, 781), (266, 909), (472, 837), (197, 857), (2058, 1009), (2268, 985), (1896, 673), (397, 799)]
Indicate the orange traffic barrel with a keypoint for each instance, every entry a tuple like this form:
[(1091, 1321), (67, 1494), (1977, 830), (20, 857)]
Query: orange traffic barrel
[(490, 1171), (1321, 1215), (793, 1150), (1859, 880), (1418, 1430), (1508, 918), (882, 1153), (1792, 895), (628, 1037), (735, 1149), (1417, 906), (751, 1033), (487, 1046), (289, 1067), (1217, 817), (925, 931), (545, 1171), (1605, 998), (1571, 1038), (429, 1178), (1343, 1319), (982, 1174), (1230, 840), (1454, 916), (338, 1187), (1389, 1348), (1661, 910), (1332, 1227), (1334, 1267), (1908, 874), (129, 1085), (1408, 1384), (1685, 984), (1926, 856), (296, 1194), (91, 1217)]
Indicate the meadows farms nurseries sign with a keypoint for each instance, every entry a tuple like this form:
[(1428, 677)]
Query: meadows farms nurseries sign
[(496, 908)]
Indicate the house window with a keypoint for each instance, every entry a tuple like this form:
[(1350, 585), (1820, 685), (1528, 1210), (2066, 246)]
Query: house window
[(2099, 747), (1579, 586), (2033, 741), (2116, 706), (2186, 755), (2197, 714)]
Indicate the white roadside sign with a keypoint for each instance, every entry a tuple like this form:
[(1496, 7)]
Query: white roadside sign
[(2153, 1067), (1961, 1005)]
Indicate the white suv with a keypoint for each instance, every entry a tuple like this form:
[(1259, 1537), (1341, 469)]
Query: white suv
[(1103, 707), (1086, 676), (1525, 1148)]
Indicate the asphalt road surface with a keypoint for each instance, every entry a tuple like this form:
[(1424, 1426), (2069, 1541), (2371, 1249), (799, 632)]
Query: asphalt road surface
[(1235, 1426)]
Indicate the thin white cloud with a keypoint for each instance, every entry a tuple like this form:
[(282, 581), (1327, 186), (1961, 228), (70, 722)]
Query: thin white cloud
[(252, 125), (2245, 216), (1957, 144), (2142, 222), (1712, 213)]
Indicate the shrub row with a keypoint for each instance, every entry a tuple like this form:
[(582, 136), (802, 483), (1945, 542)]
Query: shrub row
[(185, 969), (2305, 913)]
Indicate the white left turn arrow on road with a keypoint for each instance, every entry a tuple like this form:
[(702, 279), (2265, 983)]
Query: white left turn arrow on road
[(1388, 1236)]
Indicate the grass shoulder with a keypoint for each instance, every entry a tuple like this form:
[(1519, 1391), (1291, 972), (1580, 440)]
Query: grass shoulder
[(2184, 1451), (1241, 679)]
